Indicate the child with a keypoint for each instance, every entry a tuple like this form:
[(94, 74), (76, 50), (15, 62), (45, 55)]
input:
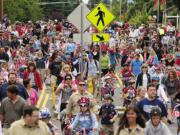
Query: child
[(108, 115), (45, 116), (126, 74), (129, 93), (107, 87), (85, 120)]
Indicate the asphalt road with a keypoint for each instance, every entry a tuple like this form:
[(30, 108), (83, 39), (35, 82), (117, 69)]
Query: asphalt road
[(117, 101)]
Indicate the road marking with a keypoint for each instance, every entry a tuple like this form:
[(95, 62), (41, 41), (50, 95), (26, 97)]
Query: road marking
[(119, 80), (45, 101), (53, 94), (118, 85), (40, 98)]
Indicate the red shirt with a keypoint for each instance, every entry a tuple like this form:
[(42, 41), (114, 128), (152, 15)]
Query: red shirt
[(126, 73)]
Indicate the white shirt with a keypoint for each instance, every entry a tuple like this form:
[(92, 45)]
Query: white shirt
[(161, 93), (145, 80)]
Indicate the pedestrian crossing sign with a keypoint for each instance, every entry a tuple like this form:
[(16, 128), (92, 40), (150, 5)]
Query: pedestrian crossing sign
[(100, 16), (100, 37)]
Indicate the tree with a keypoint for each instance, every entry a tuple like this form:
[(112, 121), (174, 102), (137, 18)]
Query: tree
[(177, 3), (138, 11), (23, 10), (65, 7)]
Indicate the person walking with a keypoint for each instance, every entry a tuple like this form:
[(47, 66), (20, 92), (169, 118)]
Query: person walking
[(155, 126), (12, 81), (29, 124), (132, 123), (11, 107)]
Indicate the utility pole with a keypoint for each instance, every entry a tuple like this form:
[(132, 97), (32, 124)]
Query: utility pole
[(1, 9), (120, 5), (110, 5), (158, 11)]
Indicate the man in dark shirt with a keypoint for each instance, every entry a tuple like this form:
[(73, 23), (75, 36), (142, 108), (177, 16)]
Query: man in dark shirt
[(108, 115), (12, 80), (11, 107), (3, 55), (151, 101), (15, 43)]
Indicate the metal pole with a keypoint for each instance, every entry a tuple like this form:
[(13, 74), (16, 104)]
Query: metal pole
[(100, 69), (82, 41), (158, 12), (1, 9), (177, 21), (120, 5), (110, 5)]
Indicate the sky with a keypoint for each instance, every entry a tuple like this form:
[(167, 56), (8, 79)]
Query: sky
[(85, 1)]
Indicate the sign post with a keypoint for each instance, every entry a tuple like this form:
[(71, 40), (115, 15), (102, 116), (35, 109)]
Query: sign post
[(78, 19), (100, 17)]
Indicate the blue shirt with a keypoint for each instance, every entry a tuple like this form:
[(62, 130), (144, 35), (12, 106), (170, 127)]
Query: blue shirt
[(146, 105), (107, 113), (136, 66), (70, 47), (112, 58), (22, 91), (84, 121)]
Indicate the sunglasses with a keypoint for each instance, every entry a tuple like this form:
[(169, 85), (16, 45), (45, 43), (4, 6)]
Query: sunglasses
[(83, 105), (144, 67), (81, 84), (68, 79)]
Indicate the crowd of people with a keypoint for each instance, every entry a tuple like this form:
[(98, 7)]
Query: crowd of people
[(145, 58)]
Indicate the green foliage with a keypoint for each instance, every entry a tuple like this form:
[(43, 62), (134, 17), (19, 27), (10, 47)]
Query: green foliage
[(65, 8), (138, 11), (177, 4), (139, 18), (23, 10)]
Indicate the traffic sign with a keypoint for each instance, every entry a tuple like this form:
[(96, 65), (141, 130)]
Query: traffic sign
[(81, 23), (86, 38), (100, 37), (100, 16)]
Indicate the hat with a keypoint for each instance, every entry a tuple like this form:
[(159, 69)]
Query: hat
[(68, 76), (107, 77), (157, 68), (84, 101), (155, 78), (131, 81), (155, 111), (108, 97), (82, 82)]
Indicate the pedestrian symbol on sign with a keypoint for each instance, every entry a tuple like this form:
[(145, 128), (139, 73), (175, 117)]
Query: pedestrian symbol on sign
[(101, 15)]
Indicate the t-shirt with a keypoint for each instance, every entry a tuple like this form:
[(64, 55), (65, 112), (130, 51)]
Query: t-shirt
[(10, 111), (104, 62), (145, 80), (145, 106), (107, 113), (136, 66), (31, 77)]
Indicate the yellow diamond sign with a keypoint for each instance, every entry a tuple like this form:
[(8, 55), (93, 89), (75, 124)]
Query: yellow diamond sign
[(100, 37), (100, 16)]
